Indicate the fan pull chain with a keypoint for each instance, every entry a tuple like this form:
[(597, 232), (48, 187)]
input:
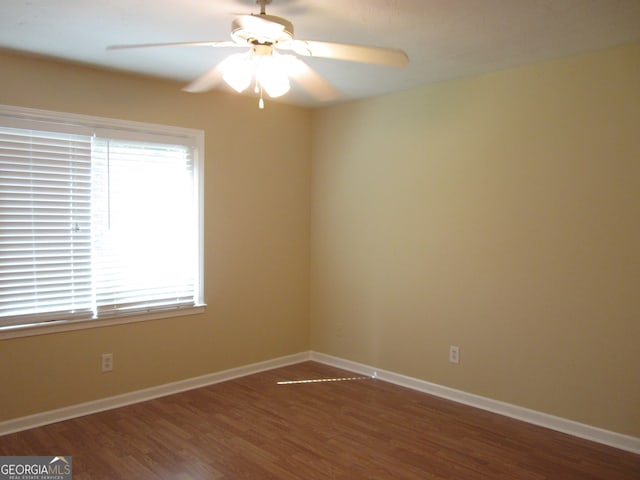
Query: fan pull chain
[(258, 89)]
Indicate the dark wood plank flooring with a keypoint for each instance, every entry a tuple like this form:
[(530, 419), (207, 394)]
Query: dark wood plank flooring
[(253, 428)]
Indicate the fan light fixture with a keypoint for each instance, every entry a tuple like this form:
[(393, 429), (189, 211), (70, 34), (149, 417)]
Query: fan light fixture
[(263, 67)]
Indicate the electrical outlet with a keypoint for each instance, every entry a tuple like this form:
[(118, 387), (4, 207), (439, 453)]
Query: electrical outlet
[(107, 362), (454, 354)]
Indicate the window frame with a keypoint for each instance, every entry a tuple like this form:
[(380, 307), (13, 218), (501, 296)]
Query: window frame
[(138, 130)]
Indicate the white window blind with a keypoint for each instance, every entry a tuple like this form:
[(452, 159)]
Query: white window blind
[(144, 228), (97, 221), (45, 236)]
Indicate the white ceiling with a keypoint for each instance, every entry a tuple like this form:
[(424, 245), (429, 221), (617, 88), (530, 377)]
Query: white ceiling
[(444, 39)]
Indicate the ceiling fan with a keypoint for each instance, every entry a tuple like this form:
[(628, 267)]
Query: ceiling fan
[(268, 70)]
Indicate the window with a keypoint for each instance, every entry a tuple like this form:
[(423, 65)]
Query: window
[(99, 219)]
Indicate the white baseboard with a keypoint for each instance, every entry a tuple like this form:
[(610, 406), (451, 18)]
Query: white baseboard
[(617, 440), (606, 437), (79, 410)]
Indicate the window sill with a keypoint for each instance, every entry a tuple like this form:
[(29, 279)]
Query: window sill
[(67, 325)]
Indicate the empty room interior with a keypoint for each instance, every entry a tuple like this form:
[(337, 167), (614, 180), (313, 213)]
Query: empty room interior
[(472, 240)]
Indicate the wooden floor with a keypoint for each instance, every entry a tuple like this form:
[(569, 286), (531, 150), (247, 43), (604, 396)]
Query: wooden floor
[(254, 428)]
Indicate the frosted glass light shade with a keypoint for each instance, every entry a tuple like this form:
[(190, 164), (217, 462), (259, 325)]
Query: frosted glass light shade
[(271, 71), (238, 71), (272, 76)]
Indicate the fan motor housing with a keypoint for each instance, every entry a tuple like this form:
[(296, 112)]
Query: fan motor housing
[(268, 30)]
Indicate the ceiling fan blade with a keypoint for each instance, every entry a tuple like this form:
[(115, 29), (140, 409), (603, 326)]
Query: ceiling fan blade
[(354, 53), (206, 81), (225, 43), (312, 82)]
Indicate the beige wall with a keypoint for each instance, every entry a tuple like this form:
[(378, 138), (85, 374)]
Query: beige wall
[(499, 213), (256, 241)]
